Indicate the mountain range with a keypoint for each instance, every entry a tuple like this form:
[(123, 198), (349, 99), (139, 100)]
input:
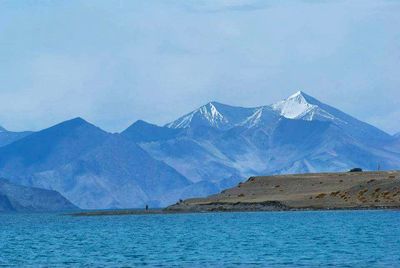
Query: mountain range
[(209, 149), (90, 167)]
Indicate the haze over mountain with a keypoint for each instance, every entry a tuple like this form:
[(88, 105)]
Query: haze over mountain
[(16, 198), (209, 149)]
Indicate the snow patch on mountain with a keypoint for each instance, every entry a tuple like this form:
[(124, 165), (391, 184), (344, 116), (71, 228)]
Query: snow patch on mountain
[(261, 117), (254, 119)]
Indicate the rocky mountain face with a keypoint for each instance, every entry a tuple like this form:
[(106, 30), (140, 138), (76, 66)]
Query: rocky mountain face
[(211, 148), (17, 198)]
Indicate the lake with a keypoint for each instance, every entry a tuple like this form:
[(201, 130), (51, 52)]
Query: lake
[(273, 239)]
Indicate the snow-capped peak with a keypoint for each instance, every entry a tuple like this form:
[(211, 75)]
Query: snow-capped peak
[(218, 115), (304, 107), (296, 106), (213, 114), (298, 94), (207, 113)]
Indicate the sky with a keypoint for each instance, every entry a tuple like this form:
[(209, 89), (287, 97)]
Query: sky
[(114, 62)]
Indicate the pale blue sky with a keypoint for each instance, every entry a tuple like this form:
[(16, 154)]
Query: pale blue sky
[(113, 62)]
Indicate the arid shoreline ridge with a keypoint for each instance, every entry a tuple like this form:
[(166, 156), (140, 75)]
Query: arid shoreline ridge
[(351, 190)]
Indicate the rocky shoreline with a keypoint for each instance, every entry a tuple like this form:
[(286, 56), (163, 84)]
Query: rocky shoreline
[(225, 206)]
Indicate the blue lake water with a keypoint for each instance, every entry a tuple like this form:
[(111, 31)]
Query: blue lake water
[(275, 239)]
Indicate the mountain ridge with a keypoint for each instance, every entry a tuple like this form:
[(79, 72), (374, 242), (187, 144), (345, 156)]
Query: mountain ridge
[(299, 105)]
